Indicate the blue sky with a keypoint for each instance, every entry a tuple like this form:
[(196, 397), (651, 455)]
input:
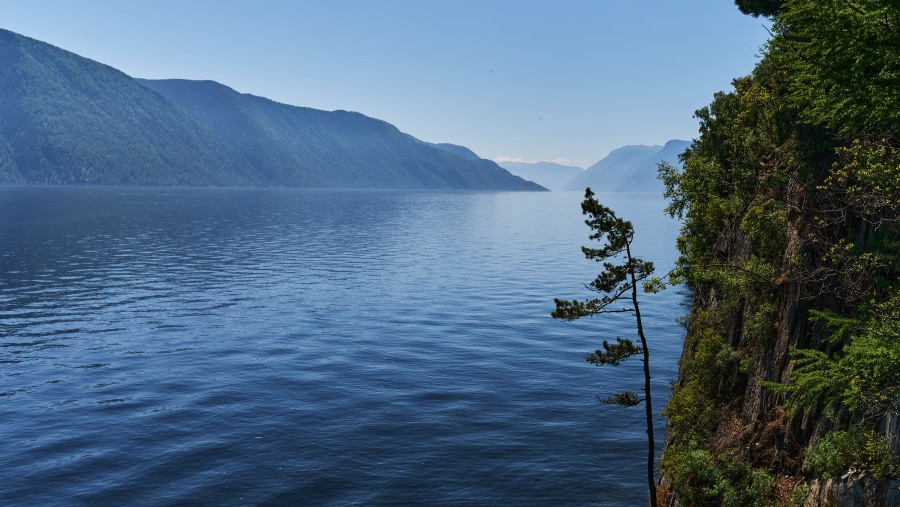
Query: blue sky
[(564, 80)]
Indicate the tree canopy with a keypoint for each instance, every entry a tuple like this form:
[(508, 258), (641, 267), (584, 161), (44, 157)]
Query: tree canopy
[(790, 199)]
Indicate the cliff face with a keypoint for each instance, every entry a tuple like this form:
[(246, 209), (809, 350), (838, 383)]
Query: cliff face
[(789, 382), (751, 425)]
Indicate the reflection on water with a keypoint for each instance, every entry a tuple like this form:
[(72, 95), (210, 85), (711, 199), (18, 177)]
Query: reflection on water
[(164, 346)]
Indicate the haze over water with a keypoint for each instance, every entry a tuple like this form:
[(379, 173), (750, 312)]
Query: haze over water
[(162, 346)]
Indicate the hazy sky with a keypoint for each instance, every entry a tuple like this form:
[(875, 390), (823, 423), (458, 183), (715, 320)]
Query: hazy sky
[(564, 80)]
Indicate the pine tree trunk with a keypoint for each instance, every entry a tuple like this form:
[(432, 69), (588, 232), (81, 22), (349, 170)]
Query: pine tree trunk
[(648, 405)]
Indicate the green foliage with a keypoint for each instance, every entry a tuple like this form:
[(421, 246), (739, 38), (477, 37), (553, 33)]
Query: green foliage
[(732, 173), (614, 354), (842, 60), (841, 328), (799, 495), (758, 328), (750, 278), (690, 411), (790, 200), (759, 7), (885, 243), (617, 280), (625, 399), (813, 379), (863, 377), (867, 176), (654, 285), (841, 451), (700, 477), (705, 364), (765, 222)]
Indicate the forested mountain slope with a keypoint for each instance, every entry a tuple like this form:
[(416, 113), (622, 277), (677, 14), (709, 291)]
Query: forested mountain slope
[(790, 377), (65, 119), (298, 146)]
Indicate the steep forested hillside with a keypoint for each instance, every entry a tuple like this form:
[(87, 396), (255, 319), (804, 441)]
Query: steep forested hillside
[(299, 146), (790, 378), (65, 119)]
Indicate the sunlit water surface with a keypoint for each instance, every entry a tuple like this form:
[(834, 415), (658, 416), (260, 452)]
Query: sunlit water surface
[(284, 347)]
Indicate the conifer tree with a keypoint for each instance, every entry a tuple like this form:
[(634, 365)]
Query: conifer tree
[(617, 284)]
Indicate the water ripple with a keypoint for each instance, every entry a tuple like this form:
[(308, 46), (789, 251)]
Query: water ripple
[(280, 347)]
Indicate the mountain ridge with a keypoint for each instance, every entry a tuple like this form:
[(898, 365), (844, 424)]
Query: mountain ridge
[(631, 168), (53, 129), (66, 119)]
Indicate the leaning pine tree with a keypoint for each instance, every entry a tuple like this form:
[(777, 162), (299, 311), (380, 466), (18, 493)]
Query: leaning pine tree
[(618, 284)]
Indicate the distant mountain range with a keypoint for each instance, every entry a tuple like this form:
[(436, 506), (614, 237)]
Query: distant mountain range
[(629, 169), (626, 169), (65, 119), (547, 174)]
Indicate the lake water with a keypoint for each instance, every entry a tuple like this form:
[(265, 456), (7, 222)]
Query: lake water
[(290, 347)]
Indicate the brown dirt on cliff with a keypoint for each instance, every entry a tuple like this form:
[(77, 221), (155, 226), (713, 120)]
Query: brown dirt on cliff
[(764, 443)]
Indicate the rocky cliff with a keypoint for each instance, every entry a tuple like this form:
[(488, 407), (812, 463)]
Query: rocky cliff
[(790, 198), (733, 440)]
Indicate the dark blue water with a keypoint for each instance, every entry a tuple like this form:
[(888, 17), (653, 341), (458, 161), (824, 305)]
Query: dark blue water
[(278, 347)]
